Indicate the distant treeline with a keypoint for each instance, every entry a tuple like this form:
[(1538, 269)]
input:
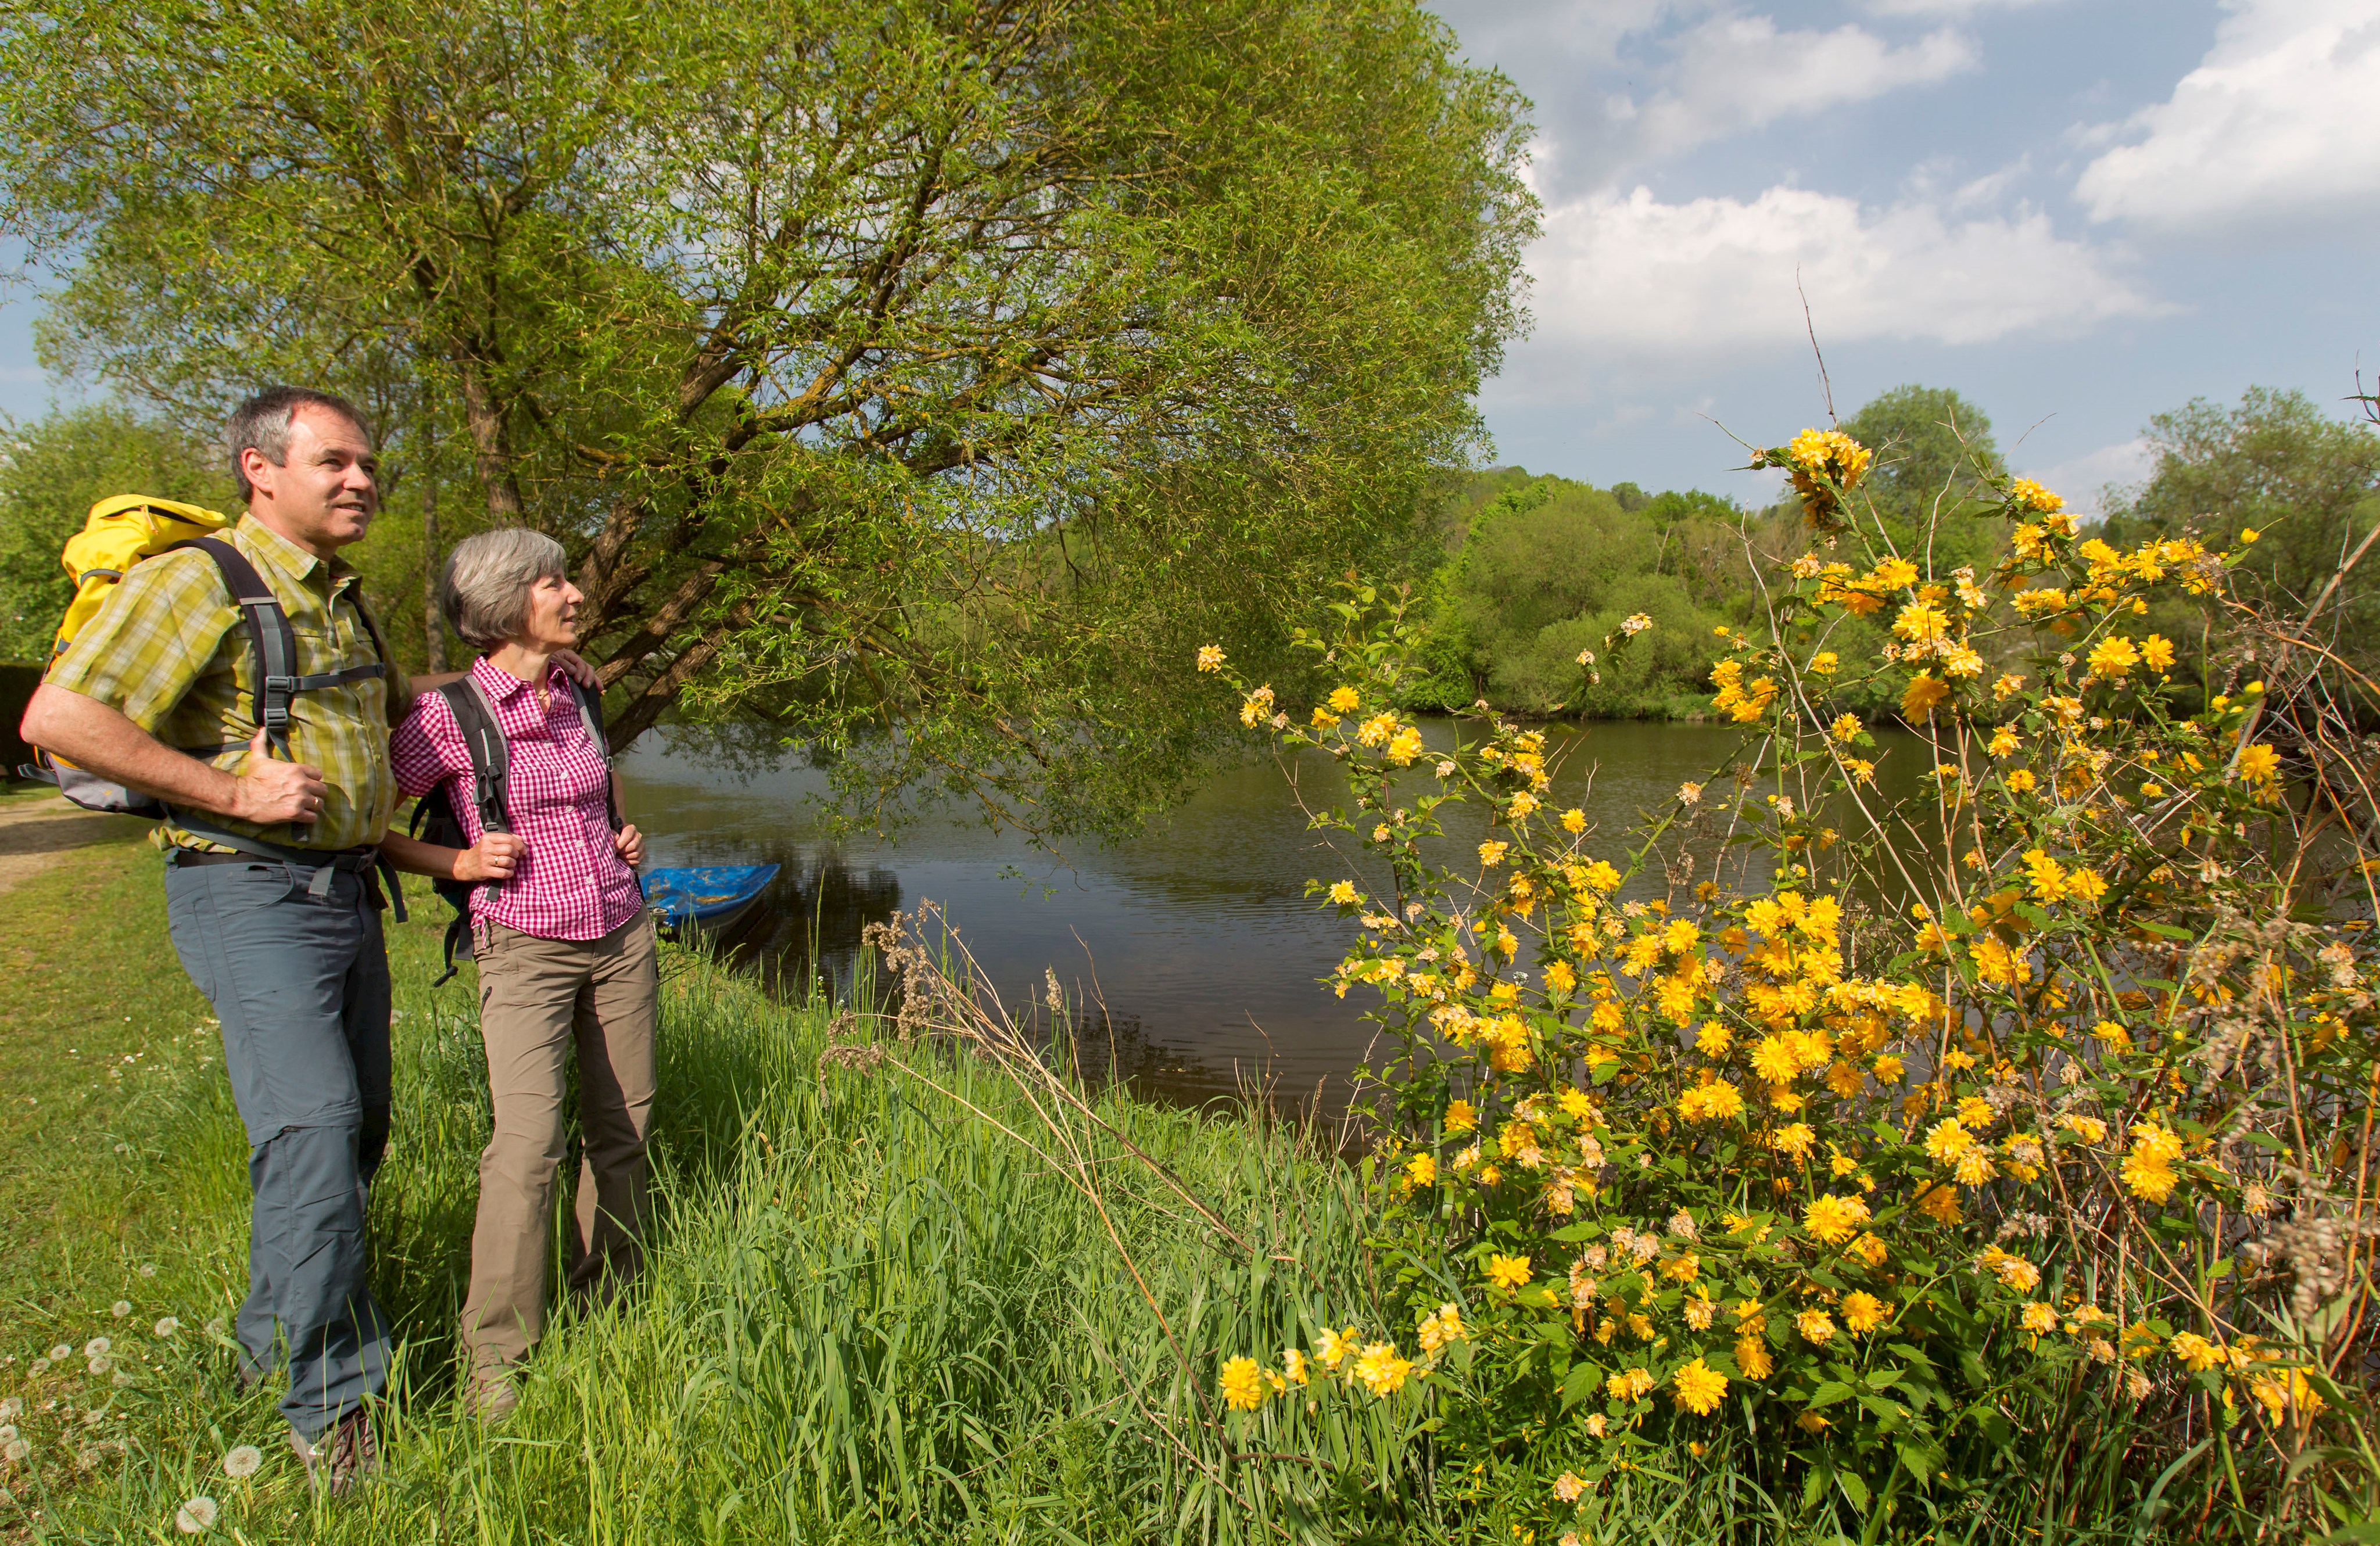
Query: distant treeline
[(1516, 575), (1525, 571)]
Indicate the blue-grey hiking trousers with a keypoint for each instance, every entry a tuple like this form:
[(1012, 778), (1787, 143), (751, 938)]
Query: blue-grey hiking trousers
[(298, 976)]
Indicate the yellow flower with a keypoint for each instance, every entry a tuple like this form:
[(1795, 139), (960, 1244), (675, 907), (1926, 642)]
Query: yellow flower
[(1344, 894), (1210, 657), (1491, 852), (1834, 1219), (1711, 1040), (1922, 693), (1345, 700), (1752, 1359), (2148, 1169), (1421, 1171), (1871, 1250), (2090, 1129), (2156, 650), (2259, 763), (1573, 820), (1460, 1117), (2198, 1354), (1507, 1272), (1862, 1312), (2019, 781), (1699, 1388), (1947, 1140), (1243, 1384), (1845, 726), (1404, 746), (1602, 877), (1794, 1140), (1716, 1100), (1816, 1325), (1824, 663), (1336, 1345), (2113, 657), (1381, 1370), (2025, 494), (1523, 803), (1257, 707), (1940, 1203)]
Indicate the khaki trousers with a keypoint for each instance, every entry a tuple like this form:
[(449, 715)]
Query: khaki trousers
[(538, 998)]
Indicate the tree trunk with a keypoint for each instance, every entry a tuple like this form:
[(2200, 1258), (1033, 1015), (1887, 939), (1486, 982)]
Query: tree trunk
[(433, 627), (491, 446)]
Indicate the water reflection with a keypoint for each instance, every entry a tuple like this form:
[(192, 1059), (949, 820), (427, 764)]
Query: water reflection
[(1191, 955)]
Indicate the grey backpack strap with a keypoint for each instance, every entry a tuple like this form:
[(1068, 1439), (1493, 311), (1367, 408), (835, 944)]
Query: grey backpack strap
[(591, 714)]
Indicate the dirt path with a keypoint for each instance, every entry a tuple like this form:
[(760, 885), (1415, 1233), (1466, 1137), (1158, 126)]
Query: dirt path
[(38, 834)]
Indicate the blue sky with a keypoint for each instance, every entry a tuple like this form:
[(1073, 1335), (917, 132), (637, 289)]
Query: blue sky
[(2077, 213)]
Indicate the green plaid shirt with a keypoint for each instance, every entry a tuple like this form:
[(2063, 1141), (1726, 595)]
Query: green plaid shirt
[(171, 653)]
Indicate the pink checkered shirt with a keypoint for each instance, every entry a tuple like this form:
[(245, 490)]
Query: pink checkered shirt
[(572, 882)]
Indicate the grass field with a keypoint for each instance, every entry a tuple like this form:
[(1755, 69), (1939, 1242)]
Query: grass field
[(878, 1309)]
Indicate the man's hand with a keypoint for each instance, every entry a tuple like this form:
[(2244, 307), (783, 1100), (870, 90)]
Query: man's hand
[(495, 857), (629, 844), (269, 793), (579, 669)]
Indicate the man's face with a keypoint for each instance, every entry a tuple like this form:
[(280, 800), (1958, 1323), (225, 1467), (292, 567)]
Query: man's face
[(326, 494)]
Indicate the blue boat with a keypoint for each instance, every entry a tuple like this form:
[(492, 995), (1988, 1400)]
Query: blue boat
[(710, 895)]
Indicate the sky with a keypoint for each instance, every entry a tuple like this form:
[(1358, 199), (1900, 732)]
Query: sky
[(2079, 213)]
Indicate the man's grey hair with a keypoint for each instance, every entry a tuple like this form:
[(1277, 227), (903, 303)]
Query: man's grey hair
[(484, 593), (262, 422)]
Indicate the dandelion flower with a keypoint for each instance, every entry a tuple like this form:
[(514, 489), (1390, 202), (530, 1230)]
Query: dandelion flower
[(242, 1461), (196, 1516), (1242, 1382)]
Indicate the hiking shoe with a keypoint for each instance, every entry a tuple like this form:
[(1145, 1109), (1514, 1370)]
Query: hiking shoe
[(342, 1458), (491, 1396)]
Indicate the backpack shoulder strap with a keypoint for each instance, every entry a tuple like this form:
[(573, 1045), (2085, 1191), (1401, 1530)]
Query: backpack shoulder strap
[(491, 757), (275, 643)]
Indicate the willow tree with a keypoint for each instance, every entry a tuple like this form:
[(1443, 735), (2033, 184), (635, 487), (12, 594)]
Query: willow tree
[(928, 376)]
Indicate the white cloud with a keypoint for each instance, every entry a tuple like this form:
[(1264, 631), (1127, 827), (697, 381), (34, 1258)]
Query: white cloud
[(1945, 7), (2276, 121), (1736, 73), (1629, 276), (2084, 479)]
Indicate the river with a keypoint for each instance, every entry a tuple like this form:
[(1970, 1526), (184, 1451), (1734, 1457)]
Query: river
[(1193, 948)]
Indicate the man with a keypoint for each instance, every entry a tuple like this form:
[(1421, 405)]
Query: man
[(270, 892)]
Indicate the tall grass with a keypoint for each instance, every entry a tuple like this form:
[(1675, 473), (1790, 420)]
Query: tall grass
[(875, 1309)]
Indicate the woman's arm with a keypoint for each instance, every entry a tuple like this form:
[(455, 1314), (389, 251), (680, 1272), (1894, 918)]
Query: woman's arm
[(493, 858)]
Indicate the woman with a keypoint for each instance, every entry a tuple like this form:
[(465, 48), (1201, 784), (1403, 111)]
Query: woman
[(565, 946)]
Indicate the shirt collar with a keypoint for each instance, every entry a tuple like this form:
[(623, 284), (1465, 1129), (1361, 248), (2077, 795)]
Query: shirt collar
[(501, 684), (287, 556)]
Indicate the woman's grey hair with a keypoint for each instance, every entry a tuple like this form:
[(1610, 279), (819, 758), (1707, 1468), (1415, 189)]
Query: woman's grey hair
[(484, 593)]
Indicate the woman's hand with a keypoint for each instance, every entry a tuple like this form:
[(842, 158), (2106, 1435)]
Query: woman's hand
[(629, 844), (494, 857)]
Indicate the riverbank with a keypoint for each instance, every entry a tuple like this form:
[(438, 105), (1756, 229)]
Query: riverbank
[(877, 1307)]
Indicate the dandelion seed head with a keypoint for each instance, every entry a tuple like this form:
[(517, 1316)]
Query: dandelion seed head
[(147, 1269), (97, 1348), (60, 1353), (243, 1461), (18, 1449), (167, 1326), (196, 1516), (99, 1364), (120, 1309)]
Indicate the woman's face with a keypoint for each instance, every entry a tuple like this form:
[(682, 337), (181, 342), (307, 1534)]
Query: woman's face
[(552, 614)]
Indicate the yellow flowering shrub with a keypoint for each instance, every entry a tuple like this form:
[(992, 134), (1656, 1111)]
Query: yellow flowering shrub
[(1829, 1136)]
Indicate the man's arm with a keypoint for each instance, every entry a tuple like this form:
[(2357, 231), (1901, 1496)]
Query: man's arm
[(99, 740)]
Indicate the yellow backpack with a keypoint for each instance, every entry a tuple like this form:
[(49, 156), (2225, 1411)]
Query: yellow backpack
[(119, 533)]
